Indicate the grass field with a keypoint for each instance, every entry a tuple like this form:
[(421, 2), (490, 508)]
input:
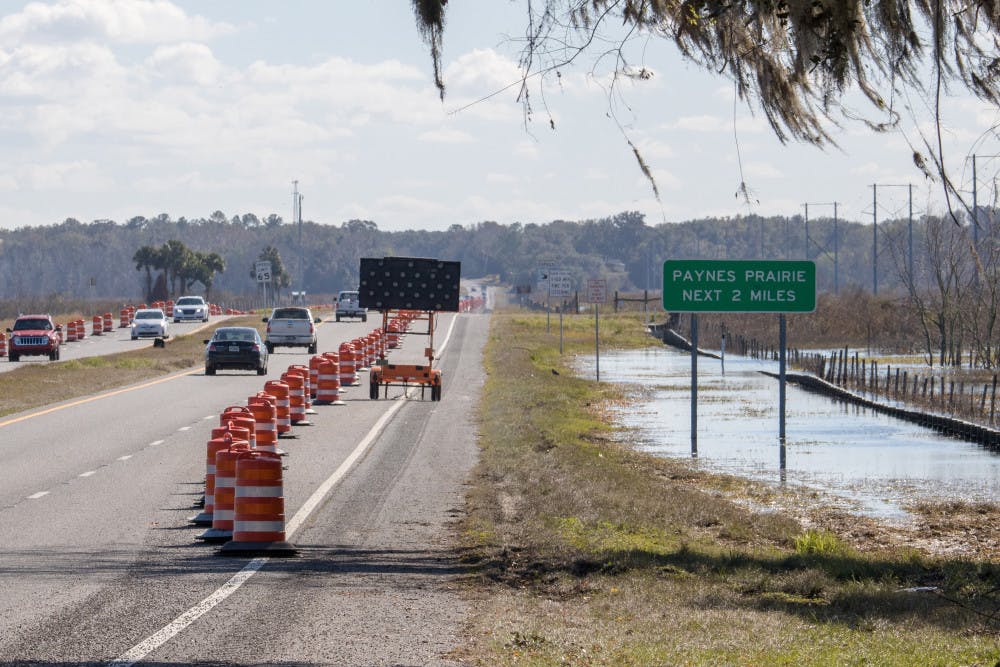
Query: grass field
[(587, 552)]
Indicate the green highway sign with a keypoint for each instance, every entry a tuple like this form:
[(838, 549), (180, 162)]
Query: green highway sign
[(739, 286)]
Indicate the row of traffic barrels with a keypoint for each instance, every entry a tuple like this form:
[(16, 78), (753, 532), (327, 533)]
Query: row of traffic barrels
[(244, 498)]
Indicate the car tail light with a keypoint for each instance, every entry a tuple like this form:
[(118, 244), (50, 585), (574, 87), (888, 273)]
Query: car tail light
[(256, 347), (211, 348), (311, 329), (268, 327)]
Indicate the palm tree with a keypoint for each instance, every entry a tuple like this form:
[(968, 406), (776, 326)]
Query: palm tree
[(173, 255), (145, 258)]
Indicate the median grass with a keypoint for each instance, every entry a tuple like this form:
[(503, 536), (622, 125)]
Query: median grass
[(34, 385), (588, 552)]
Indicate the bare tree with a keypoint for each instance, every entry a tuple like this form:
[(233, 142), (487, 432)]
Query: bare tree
[(791, 59)]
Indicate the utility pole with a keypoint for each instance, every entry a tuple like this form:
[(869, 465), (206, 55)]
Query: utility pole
[(807, 230), (909, 259), (975, 205), (874, 238), (297, 217), (836, 241)]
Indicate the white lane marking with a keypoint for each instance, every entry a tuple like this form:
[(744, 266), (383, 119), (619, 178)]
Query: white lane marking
[(155, 443), (184, 428), (172, 629), (124, 458), (208, 417), (88, 473), (36, 496), (158, 639)]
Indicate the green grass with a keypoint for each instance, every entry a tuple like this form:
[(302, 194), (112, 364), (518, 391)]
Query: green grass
[(586, 552)]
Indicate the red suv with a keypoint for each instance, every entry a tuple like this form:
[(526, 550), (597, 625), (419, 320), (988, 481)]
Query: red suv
[(34, 335)]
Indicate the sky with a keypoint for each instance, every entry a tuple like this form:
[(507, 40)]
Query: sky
[(111, 109)]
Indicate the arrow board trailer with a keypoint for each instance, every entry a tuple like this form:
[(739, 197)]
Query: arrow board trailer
[(408, 290)]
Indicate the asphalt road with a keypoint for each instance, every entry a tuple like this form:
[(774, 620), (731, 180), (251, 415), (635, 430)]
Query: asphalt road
[(116, 340), (99, 562)]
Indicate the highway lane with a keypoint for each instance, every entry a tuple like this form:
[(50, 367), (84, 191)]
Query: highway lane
[(94, 500), (116, 340)]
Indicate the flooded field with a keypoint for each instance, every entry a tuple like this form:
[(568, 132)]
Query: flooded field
[(874, 463)]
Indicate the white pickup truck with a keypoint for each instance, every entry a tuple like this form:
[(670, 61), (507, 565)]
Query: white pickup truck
[(347, 306), (291, 326)]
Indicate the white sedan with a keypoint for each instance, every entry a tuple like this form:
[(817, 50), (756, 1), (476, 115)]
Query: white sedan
[(149, 322)]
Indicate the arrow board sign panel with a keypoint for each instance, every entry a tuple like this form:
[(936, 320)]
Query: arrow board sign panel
[(739, 286), (409, 283)]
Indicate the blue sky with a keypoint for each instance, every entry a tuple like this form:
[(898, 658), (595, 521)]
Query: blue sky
[(118, 108)]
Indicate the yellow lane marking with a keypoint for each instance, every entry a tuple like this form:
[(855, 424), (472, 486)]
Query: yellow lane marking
[(91, 399)]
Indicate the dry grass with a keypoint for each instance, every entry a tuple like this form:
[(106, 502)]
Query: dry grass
[(590, 553), (52, 382)]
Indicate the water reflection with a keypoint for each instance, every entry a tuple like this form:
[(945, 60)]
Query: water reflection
[(871, 459)]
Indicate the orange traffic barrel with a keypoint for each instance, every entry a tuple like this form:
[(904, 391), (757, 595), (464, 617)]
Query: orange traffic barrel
[(71, 336), (235, 431), (225, 492), (348, 366), (393, 335), (314, 362), (307, 382), (259, 517), (204, 518), (265, 416), (279, 390), (98, 326), (243, 417), (109, 322), (328, 383), (296, 396), (3, 344), (124, 319), (169, 308), (81, 330)]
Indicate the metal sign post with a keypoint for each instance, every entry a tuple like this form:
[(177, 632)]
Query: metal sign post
[(739, 286), (597, 293), (263, 270), (694, 385), (560, 286)]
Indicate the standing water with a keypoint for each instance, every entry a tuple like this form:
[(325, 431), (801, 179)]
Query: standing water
[(873, 461)]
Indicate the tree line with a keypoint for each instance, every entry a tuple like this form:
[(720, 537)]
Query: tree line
[(955, 292)]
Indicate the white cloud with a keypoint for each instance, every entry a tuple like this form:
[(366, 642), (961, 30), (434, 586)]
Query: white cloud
[(762, 170), (446, 136), (655, 149), (718, 124), (527, 149), (501, 179), (665, 180), (482, 70), (185, 63), (126, 21), (80, 176)]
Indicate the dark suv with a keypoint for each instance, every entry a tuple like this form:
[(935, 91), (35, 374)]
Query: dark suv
[(34, 335)]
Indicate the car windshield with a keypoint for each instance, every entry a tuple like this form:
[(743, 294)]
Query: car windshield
[(148, 315), (234, 335), (190, 301), (290, 314), (348, 296), (32, 324)]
